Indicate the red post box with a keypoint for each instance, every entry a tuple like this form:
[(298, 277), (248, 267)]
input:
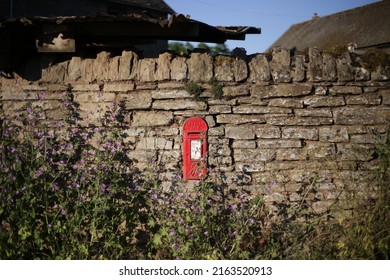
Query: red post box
[(194, 149)]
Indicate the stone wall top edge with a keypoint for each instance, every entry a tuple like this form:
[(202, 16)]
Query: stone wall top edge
[(279, 65)]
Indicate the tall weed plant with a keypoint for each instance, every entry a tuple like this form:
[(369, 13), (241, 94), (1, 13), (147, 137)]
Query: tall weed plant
[(67, 192)]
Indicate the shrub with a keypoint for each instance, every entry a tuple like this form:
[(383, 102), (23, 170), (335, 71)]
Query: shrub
[(205, 223), (62, 197)]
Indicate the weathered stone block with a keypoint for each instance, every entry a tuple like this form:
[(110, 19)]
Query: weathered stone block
[(224, 68), (74, 69), (179, 104), (319, 150), (154, 143), (259, 69), (94, 97), (210, 121), (147, 70), (128, 65), (216, 131), (239, 132), (254, 155), (86, 87), (280, 65), (283, 90), (244, 144), (113, 69), (250, 167), (320, 90), (240, 70), (278, 143), (372, 99), (145, 156), (239, 119), (220, 109), (268, 132), (351, 151), (324, 101), (221, 163), (325, 113), (101, 66), (345, 71), (216, 150), (170, 94), (134, 132), (345, 90), (152, 118), (298, 68), (291, 154), (179, 68), (368, 139), (136, 100), (119, 87), (250, 109), (86, 70), (329, 68), (200, 67), (286, 102), (315, 67), (300, 133), (361, 115), (333, 134), (297, 121), (164, 66), (241, 90)]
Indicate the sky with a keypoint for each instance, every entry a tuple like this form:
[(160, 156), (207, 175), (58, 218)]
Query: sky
[(274, 17)]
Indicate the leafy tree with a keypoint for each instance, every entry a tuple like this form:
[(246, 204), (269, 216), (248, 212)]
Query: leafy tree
[(184, 48)]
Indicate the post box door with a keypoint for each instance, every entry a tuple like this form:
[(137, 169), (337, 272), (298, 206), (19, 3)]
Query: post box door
[(194, 149)]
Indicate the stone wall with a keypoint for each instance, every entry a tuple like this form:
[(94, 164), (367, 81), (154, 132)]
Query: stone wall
[(279, 124)]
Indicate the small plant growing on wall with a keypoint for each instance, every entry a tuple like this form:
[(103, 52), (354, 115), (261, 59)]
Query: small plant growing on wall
[(195, 90), (216, 88)]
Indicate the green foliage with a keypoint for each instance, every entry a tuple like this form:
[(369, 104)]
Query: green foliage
[(195, 90), (61, 197), (204, 223), (186, 48), (216, 88)]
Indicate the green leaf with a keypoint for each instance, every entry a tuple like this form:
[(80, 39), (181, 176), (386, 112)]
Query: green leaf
[(151, 223), (157, 239), (24, 233)]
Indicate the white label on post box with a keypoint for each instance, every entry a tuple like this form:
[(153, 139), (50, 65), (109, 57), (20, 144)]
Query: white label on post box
[(196, 146)]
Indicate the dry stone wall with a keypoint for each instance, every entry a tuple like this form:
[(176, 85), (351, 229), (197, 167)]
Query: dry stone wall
[(280, 123)]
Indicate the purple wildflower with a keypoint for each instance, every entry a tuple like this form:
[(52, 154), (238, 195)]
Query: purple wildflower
[(251, 221), (62, 212), (153, 196), (39, 173), (206, 233), (41, 95)]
